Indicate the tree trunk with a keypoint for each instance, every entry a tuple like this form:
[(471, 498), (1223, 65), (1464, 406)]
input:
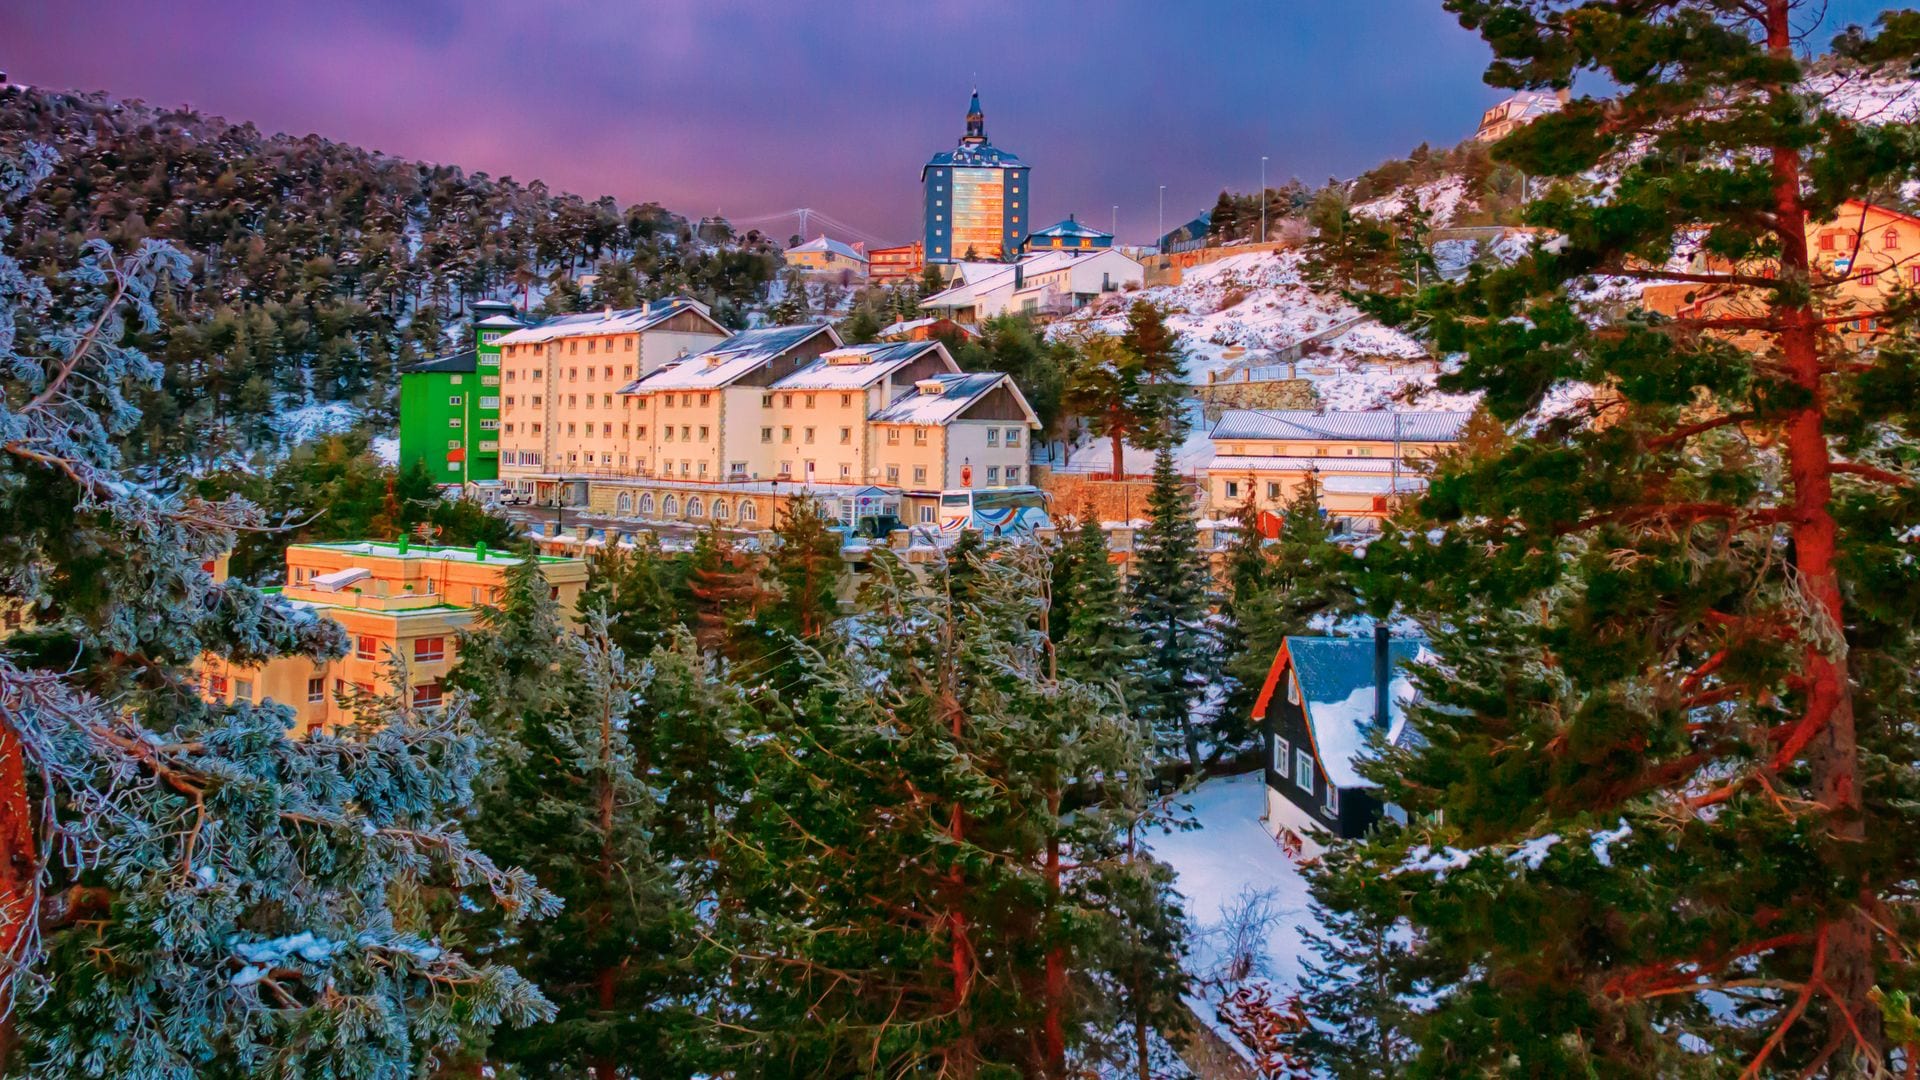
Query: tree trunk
[(19, 873), (1054, 1027), (1119, 450), (1826, 730)]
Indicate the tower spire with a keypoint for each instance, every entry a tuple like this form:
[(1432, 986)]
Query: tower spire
[(976, 121)]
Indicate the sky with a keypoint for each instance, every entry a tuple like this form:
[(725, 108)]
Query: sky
[(757, 107)]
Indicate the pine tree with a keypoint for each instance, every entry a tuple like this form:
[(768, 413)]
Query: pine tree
[(187, 891), (1359, 989), (1669, 739), (575, 806), (724, 592), (1224, 224), (1100, 645), (1169, 587), (644, 589), (1122, 392)]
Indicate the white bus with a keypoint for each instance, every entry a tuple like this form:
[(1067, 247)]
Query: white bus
[(994, 511)]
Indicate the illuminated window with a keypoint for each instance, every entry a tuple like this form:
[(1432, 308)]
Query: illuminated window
[(430, 648), (365, 648)]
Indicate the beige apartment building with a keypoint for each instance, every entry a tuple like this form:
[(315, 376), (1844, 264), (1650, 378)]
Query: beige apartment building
[(732, 433), (1363, 461), (560, 406), (396, 601)]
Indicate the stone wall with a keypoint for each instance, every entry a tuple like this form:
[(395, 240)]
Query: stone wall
[(1113, 500), (1218, 397)]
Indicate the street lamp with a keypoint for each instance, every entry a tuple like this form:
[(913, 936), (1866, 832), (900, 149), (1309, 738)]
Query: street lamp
[(1160, 223), (1263, 198), (1113, 224)]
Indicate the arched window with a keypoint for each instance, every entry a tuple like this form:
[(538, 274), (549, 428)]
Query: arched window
[(748, 511), (670, 506), (694, 507), (646, 502), (624, 504), (1890, 240), (719, 510)]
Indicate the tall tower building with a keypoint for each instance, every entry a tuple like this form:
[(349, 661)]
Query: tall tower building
[(976, 197)]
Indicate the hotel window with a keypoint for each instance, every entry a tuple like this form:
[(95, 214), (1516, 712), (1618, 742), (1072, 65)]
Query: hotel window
[(846, 435), (1233, 489), (606, 431), (430, 648), (1828, 241), (640, 432), (426, 696), (926, 514), (1282, 753), (667, 401), (686, 401), (809, 401), (704, 397), (846, 471), (1868, 277), (536, 400), (1303, 771), (993, 436), (243, 690), (686, 432), (1890, 240), (766, 401), (919, 436), (786, 468), (993, 474), (786, 434), (316, 690), (454, 401), (703, 433), (365, 648), (893, 436), (489, 402), (539, 373), (919, 474), (1913, 275), (536, 428), (766, 434), (1013, 474), (1273, 489), (570, 429), (786, 401), (606, 401), (1013, 436), (489, 380), (893, 474), (669, 430), (456, 379), (807, 436), (846, 400)]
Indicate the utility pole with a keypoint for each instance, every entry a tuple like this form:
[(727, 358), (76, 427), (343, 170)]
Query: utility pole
[(1113, 225), (1263, 198), (1160, 222)]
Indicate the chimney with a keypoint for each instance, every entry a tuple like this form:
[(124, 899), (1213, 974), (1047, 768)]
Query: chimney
[(403, 544), (480, 552), (1380, 674)]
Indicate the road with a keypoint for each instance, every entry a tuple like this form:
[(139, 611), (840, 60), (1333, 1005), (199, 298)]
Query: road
[(546, 516)]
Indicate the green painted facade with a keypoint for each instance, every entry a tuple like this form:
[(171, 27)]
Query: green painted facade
[(450, 405)]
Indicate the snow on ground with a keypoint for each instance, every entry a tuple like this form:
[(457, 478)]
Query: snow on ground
[(386, 449), (1228, 855), (1442, 199)]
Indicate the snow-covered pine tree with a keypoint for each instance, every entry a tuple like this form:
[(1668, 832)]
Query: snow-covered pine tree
[(913, 884), (1100, 645), (576, 807), (186, 891), (1169, 588), (1675, 617), (1361, 986)]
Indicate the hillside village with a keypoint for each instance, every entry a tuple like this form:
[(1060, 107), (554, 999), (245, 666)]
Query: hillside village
[(640, 645)]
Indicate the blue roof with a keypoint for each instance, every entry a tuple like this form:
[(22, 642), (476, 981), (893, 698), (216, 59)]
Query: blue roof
[(1070, 227), (1337, 697)]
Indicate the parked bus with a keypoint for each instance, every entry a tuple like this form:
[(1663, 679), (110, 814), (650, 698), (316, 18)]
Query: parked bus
[(994, 511)]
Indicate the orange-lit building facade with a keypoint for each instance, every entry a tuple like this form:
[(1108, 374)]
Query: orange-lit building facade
[(896, 265), (395, 600)]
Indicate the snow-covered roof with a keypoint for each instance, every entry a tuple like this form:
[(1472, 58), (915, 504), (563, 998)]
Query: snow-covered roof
[(456, 363), (502, 321), (971, 286), (940, 399), (609, 321), (1071, 227), (1372, 485), (827, 244), (1223, 463), (908, 326), (734, 358), (980, 155), (340, 579), (1373, 425), (856, 366), (1336, 677)]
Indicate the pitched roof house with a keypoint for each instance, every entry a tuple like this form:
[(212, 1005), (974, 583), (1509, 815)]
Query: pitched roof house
[(1325, 702)]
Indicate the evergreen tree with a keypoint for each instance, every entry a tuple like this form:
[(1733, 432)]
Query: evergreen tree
[(801, 586), (1169, 588), (1100, 645), (1224, 224), (1360, 987), (724, 593), (644, 589), (576, 808), (1669, 738), (1130, 386), (792, 308), (186, 891)]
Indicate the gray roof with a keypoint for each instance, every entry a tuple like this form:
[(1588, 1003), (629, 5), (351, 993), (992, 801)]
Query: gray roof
[(719, 365), (1337, 695), (851, 367), (457, 363), (1369, 426), (957, 393)]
